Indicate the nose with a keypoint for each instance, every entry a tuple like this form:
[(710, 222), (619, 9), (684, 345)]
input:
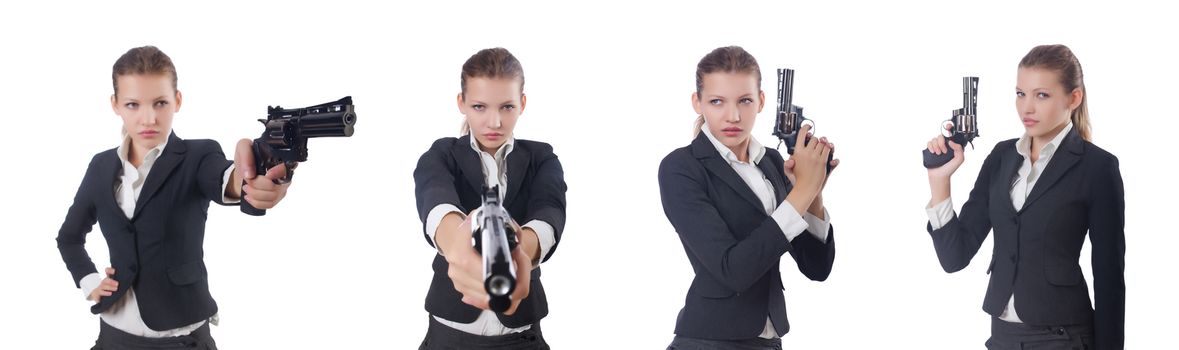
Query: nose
[(149, 117), (734, 115), (1025, 107), (496, 120)]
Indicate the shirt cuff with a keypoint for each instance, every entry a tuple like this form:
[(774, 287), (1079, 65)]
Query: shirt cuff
[(789, 221), (545, 235), (89, 283), (225, 185), (818, 227), (940, 214), (435, 218)]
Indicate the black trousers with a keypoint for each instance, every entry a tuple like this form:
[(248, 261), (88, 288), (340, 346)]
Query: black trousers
[(1018, 336), (685, 343), (111, 338), (442, 337)]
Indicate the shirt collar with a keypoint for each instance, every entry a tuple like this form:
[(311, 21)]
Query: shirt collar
[(501, 153), (152, 154), (756, 150), (1024, 145)]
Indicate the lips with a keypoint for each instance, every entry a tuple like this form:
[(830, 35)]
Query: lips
[(732, 131), (1030, 122), (493, 135), (149, 133)]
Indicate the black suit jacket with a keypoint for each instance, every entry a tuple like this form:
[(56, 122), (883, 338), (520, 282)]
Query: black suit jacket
[(1037, 247), (733, 245), (158, 251), (450, 172)]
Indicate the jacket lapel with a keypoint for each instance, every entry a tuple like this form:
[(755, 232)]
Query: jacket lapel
[(518, 162), (1008, 170), (173, 155), (111, 167), (469, 163), (1065, 158), (707, 154), (776, 177)]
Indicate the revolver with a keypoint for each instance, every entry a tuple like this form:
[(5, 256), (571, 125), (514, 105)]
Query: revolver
[(964, 124), (495, 240), (790, 118), (284, 140)]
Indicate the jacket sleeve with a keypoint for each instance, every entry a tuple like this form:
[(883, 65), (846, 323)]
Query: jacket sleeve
[(958, 241), (211, 171), (434, 181), (79, 220), (1107, 218), (547, 202)]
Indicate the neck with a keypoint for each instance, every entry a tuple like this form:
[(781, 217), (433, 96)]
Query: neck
[(1038, 142), (742, 151), (136, 153)]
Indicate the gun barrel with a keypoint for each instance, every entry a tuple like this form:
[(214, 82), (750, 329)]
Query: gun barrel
[(496, 242), (969, 95), (331, 124)]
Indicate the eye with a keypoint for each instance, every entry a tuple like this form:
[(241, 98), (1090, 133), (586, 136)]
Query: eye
[(508, 107), (478, 107), (131, 105), (161, 103), (746, 100), (1019, 94), (1041, 95), (715, 102)]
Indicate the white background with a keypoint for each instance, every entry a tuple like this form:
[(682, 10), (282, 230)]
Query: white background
[(342, 262)]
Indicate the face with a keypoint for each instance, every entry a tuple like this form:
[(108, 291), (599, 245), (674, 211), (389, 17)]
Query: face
[(492, 106), (1043, 104), (146, 103), (730, 103)]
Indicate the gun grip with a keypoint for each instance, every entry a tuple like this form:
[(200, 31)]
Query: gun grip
[(246, 207), (936, 160)]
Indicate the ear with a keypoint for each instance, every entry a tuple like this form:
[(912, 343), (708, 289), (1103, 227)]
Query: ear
[(523, 102), (1076, 97), (179, 101), (761, 100), (458, 100), (114, 104), (696, 103)]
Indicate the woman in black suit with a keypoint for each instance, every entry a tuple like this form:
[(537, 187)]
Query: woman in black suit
[(1040, 194), (450, 178), (738, 207), (150, 196)]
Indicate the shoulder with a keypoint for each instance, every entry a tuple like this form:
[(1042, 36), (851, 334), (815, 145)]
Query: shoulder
[(202, 146), (1001, 148), (109, 155), (441, 146), (1099, 155), (679, 160), (537, 148), (774, 156)]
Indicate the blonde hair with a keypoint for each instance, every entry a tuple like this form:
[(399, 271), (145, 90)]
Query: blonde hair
[(728, 59), (1060, 59), (495, 62)]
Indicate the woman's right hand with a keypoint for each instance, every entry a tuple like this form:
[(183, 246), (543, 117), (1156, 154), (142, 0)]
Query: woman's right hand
[(939, 177), (937, 146), (465, 266), (106, 288), (810, 169)]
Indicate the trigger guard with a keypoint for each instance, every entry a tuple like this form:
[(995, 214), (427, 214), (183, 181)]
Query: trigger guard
[(290, 173)]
